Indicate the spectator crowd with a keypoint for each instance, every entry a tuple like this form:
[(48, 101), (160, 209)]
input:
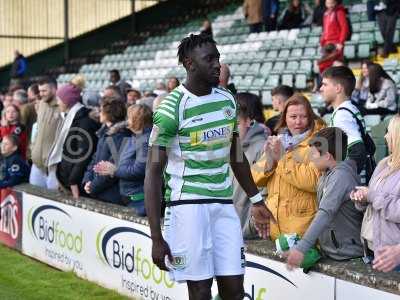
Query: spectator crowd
[(319, 179)]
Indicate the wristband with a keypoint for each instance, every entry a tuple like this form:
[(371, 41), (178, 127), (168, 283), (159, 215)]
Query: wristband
[(256, 198)]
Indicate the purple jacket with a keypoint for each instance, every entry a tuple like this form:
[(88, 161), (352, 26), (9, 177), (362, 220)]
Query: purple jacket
[(384, 196)]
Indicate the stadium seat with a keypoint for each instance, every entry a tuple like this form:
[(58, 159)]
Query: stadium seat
[(287, 79), (272, 81), (301, 81), (296, 54), (390, 64), (266, 69), (349, 51), (292, 67), (305, 67), (267, 98), (254, 69), (364, 51), (310, 53), (278, 67), (283, 55), (258, 83)]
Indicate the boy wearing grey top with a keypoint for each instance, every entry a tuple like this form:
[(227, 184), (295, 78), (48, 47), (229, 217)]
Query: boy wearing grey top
[(337, 223)]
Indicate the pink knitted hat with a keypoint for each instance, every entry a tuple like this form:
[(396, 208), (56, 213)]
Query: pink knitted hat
[(69, 94)]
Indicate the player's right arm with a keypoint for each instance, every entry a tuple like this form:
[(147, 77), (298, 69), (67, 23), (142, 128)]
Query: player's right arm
[(156, 162), (165, 127)]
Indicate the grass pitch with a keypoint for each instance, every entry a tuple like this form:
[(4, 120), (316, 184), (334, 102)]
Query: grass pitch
[(22, 278)]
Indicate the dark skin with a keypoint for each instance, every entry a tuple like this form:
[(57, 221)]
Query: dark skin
[(203, 69)]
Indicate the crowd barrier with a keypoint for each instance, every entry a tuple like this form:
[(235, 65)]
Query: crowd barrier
[(108, 245)]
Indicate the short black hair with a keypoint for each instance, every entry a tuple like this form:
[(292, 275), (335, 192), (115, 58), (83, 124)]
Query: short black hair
[(48, 80), (343, 76), (332, 140), (114, 71), (250, 106), (192, 41), (283, 90)]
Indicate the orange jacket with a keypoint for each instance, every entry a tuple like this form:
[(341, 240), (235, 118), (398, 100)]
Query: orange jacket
[(291, 188)]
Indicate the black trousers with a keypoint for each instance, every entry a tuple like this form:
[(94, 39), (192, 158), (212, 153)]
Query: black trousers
[(387, 26), (270, 24), (255, 28)]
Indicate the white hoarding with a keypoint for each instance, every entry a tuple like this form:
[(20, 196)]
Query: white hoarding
[(117, 254)]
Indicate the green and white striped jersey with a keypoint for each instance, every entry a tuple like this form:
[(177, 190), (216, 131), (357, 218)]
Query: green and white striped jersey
[(197, 133)]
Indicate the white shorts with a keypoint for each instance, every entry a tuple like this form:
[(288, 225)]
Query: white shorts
[(205, 240)]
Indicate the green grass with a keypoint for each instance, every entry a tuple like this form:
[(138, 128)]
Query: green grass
[(23, 278)]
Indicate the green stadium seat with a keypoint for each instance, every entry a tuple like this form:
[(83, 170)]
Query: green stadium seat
[(300, 42), (278, 67), (266, 98), (368, 26), (305, 67), (242, 70), (287, 79), (300, 81), (367, 36), (364, 51), (349, 51), (355, 26), (291, 67), (254, 69), (313, 41), (272, 81), (296, 54), (304, 32), (266, 69), (310, 53), (316, 31), (272, 55), (258, 83), (260, 56), (246, 83), (284, 55)]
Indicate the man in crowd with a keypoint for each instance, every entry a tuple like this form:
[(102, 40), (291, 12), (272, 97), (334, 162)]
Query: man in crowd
[(252, 10), (199, 183), (48, 119), (115, 80), (338, 84), (19, 66), (132, 96), (279, 96), (224, 78)]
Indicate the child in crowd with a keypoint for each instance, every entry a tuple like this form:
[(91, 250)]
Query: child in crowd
[(10, 124), (337, 223), (13, 168)]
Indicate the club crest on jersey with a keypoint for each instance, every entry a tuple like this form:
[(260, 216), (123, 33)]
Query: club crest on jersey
[(229, 112)]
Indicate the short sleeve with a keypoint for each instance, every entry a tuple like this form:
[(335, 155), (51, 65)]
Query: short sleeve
[(165, 127), (235, 120), (345, 121)]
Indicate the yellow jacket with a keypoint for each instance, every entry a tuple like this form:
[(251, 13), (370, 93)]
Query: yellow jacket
[(292, 188)]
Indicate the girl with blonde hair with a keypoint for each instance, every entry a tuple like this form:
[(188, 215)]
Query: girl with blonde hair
[(381, 224)]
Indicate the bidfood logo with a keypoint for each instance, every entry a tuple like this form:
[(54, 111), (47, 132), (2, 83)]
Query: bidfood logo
[(9, 216), (118, 248), (50, 224)]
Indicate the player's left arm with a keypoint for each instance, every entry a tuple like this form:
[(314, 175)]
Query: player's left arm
[(241, 169)]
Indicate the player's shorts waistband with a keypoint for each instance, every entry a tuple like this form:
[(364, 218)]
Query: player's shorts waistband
[(198, 201)]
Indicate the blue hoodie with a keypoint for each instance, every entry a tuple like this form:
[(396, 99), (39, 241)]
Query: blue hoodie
[(110, 141), (131, 168), (13, 170)]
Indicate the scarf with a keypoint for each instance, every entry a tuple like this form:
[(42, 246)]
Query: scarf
[(290, 141), (56, 152)]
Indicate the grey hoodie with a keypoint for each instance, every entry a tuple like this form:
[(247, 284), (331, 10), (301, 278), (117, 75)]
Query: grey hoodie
[(337, 223), (253, 145)]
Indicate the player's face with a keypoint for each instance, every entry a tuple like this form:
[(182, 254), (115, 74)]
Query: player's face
[(206, 66)]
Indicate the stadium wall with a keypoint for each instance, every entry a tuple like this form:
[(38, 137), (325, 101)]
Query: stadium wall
[(106, 244), (103, 36)]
